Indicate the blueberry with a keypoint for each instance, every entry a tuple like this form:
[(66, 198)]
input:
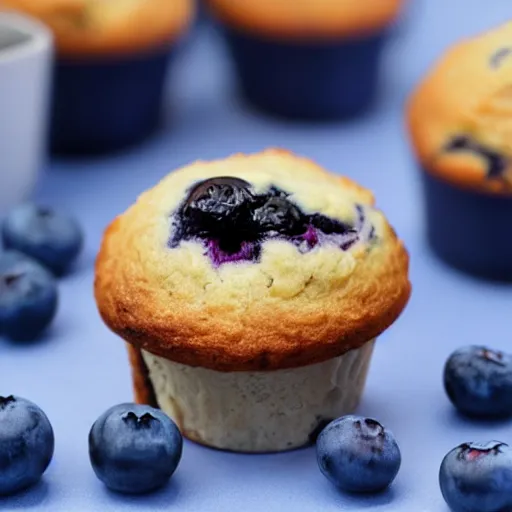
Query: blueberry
[(28, 297), (134, 449), (497, 163), (329, 226), (276, 192), (26, 444), (218, 204), (499, 56), (232, 221), (278, 216), (478, 382), (358, 454), (50, 237), (477, 477)]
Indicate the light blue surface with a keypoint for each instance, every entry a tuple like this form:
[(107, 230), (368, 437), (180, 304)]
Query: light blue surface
[(81, 368)]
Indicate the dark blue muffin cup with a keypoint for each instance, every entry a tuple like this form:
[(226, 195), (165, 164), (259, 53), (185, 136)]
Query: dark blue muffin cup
[(469, 230), (106, 104), (333, 80)]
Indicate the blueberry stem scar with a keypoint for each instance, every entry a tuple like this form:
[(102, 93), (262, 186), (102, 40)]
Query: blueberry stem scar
[(5, 401), (11, 279), (143, 421), (472, 451), (492, 356)]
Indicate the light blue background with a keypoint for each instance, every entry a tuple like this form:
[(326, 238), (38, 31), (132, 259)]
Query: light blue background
[(80, 369)]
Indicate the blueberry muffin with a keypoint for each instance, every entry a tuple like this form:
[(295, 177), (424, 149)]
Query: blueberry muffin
[(307, 59), (459, 119), (250, 291), (113, 59)]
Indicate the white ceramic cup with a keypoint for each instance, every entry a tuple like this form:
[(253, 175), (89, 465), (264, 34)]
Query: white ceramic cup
[(26, 58)]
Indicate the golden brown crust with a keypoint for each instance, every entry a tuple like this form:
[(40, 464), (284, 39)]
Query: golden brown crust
[(468, 92), (99, 27), (143, 293), (306, 19)]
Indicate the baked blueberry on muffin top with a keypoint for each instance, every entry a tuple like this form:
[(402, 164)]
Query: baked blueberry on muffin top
[(233, 222)]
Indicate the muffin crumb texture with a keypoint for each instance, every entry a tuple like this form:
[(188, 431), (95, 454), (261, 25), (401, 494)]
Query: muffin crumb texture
[(258, 411)]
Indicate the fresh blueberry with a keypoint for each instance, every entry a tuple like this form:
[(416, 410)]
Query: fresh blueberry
[(26, 444), (477, 477), (28, 297), (134, 449), (50, 237), (478, 381), (358, 454), (278, 216)]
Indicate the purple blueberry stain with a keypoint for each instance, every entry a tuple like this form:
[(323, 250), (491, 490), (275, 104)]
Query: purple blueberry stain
[(310, 237), (232, 222), (248, 251)]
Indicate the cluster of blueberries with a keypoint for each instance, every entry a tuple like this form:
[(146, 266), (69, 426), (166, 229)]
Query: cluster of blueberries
[(231, 220), (133, 448), (40, 245), (360, 455), (136, 448)]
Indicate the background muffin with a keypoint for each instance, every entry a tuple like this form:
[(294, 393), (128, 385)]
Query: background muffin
[(459, 121), (307, 59), (250, 303), (112, 62)]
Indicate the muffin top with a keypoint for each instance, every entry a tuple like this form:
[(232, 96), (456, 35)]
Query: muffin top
[(460, 116), (304, 19), (254, 262), (99, 27)]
